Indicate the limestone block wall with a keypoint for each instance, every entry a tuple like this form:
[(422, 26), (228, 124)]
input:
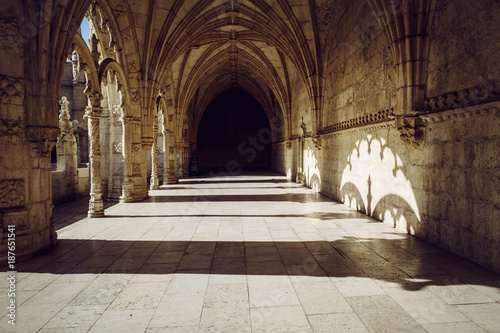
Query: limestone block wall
[(464, 45), (63, 188), (447, 190)]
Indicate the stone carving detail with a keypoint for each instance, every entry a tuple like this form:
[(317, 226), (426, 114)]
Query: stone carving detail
[(170, 117), (117, 115), (11, 130), (117, 148), (119, 10), (136, 147), (135, 96), (461, 114), (44, 138), (11, 90), (171, 164), (118, 170), (127, 34), (488, 91), (136, 169), (288, 144), (368, 119), (171, 150), (317, 142), (132, 66), (179, 145), (65, 124), (9, 32), (11, 193), (17, 218), (411, 130)]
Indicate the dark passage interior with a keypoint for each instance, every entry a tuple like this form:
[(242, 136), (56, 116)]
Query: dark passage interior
[(234, 134)]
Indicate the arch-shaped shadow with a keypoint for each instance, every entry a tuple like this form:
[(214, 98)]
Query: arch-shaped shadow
[(351, 196), (398, 210)]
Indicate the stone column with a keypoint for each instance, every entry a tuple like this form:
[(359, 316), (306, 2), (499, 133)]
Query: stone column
[(96, 207), (155, 184), (171, 159), (166, 157), (127, 186), (185, 169)]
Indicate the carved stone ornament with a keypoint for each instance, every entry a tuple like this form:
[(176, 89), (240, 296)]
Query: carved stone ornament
[(317, 142), (136, 147), (368, 119), (11, 90), (136, 169), (411, 129), (12, 193), (147, 143), (170, 117), (485, 92), (11, 130), (10, 34), (171, 150), (117, 148), (288, 144), (43, 138), (64, 117), (179, 145), (17, 218)]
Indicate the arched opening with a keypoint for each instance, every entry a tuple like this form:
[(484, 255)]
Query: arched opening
[(234, 134)]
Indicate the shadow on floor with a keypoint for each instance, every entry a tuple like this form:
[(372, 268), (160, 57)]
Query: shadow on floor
[(343, 258)]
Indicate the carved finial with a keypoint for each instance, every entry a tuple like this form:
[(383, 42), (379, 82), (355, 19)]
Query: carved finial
[(94, 49), (64, 117)]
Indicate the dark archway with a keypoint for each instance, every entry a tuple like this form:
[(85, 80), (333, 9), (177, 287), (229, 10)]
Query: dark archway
[(234, 134)]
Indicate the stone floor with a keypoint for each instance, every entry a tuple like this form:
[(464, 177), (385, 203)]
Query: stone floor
[(245, 254)]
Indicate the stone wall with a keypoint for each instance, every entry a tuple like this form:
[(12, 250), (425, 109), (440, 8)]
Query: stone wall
[(62, 186), (447, 190)]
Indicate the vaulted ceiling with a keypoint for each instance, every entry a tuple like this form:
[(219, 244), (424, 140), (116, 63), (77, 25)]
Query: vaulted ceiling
[(197, 49)]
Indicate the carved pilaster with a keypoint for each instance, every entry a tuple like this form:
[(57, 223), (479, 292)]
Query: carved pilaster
[(96, 207), (155, 184)]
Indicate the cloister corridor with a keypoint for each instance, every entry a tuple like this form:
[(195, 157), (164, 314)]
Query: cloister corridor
[(248, 253)]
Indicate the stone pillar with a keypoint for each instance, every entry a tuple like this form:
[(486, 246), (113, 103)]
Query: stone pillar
[(127, 186), (185, 169), (96, 207), (67, 150), (165, 157), (155, 184), (171, 159)]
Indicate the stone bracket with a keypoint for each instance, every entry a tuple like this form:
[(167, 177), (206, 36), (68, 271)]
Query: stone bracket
[(318, 141), (411, 129)]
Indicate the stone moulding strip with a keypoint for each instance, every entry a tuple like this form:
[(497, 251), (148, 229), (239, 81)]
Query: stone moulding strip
[(463, 113), (380, 119), (486, 92)]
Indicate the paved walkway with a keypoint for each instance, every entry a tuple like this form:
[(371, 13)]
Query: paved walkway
[(245, 254)]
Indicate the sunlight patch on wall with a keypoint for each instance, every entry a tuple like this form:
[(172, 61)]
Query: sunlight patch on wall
[(311, 170), (374, 182)]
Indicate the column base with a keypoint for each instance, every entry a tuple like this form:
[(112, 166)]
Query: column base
[(126, 192), (96, 205), (155, 183)]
